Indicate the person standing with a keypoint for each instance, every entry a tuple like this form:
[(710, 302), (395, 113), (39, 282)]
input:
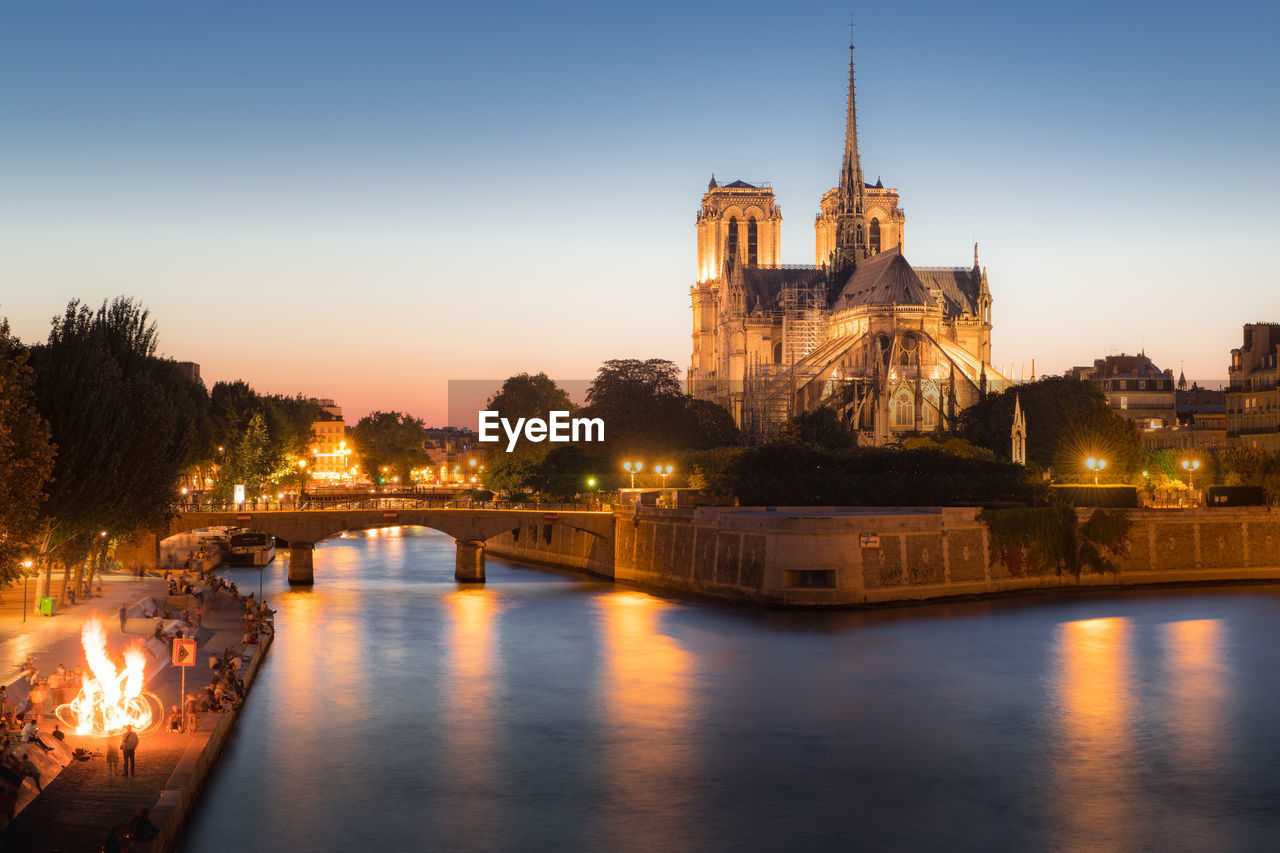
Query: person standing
[(128, 744), (124, 618), (37, 695), (113, 760)]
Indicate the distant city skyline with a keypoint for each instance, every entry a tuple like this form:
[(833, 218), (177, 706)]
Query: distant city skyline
[(366, 202)]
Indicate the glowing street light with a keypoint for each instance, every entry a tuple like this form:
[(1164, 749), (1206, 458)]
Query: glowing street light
[(1095, 465), (663, 471), (1190, 466), (26, 572), (633, 468)]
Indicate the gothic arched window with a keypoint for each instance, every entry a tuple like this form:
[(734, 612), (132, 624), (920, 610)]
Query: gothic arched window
[(875, 236), (929, 411), (731, 242), (777, 353), (752, 254), (903, 412)]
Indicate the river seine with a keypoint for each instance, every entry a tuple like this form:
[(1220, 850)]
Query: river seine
[(398, 710)]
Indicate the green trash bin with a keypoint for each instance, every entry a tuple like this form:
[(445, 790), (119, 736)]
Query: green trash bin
[(48, 604)]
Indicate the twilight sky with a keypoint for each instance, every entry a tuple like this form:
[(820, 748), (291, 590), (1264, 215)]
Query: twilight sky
[(365, 200)]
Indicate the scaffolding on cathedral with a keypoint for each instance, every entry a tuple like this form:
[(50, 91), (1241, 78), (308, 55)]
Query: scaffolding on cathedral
[(770, 389), (803, 320)]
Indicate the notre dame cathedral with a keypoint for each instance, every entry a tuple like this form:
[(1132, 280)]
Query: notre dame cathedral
[(892, 347)]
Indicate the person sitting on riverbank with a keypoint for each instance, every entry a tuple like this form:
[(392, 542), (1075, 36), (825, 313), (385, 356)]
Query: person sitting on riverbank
[(30, 769), (31, 734), (141, 828)]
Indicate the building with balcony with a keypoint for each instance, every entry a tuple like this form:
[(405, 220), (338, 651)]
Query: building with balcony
[(1253, 400)]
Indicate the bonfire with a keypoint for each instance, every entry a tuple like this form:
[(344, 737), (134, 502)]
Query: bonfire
[(110, 700)]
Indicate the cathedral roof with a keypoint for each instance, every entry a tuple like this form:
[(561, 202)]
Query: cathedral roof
[(959, 287), (742, 185), (883, 279), (764, 284)]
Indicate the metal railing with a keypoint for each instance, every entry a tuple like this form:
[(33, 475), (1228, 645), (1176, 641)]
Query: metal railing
[(395, 503)]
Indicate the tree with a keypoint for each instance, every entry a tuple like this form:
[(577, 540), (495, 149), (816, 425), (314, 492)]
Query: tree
[(121, 419), (708, 425), (390, 440), (643, 407), (1067, 422), (287, 421), (248, 462), (26, 458), (820, 427), (529, 396), (510, 475), (563, 472)]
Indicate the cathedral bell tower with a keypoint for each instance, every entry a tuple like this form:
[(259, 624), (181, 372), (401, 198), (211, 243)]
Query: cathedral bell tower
[(739, 225)]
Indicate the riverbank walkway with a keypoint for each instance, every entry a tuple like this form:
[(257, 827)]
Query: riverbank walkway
[(83, 801)]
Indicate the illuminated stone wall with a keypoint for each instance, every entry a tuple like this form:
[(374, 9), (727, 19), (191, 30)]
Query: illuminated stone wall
[(823, 556)]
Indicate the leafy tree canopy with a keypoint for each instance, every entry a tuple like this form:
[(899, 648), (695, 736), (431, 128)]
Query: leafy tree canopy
[(820, 427), (1068, 421), (390, 440), (529, 396), (121, 418), (26, 458)]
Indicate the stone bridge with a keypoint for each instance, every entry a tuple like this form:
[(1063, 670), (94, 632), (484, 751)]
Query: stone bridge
[(469, 527)]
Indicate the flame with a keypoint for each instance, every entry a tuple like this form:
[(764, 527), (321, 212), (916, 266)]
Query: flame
[(110, 700)]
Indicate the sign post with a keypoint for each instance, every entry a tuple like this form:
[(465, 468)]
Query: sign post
[(184, 655)]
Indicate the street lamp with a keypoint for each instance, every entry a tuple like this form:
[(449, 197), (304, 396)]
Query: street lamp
[(1190, 466), (663, 471), (26, 573), (1095, 465), (633, 468)]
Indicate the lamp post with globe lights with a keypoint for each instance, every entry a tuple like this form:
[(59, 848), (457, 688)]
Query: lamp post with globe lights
[(633, 468), (1190, 466), (1095, 465)]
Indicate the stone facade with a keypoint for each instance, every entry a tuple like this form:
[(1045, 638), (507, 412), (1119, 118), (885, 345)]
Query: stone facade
[(1253, 396), (826, 556)]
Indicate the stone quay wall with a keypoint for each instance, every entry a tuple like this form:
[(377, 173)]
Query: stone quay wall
[(808, 556), (555, 545), (180, 797)]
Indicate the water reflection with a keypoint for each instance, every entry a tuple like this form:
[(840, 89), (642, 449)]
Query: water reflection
[(648, 714), (1090, 773), (1196, 693), (470, 680), (546, 713)]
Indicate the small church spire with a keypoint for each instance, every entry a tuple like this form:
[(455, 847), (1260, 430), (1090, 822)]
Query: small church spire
[(713, 183), (1019, 432)]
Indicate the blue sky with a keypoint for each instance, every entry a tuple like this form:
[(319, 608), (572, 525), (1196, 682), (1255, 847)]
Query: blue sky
[(364, 201)]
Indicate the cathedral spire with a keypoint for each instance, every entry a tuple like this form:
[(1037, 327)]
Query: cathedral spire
[(851, 229)]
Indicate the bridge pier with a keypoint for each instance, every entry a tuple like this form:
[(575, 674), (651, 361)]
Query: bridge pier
[(300, 570), (470, 564)]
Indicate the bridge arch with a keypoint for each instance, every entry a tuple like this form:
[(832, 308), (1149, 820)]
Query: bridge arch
[(469, 527)]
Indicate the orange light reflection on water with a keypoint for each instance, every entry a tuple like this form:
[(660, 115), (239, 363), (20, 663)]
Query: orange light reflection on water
[(1196, 691), (470, 681), (1090, 772), (646, 699)]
